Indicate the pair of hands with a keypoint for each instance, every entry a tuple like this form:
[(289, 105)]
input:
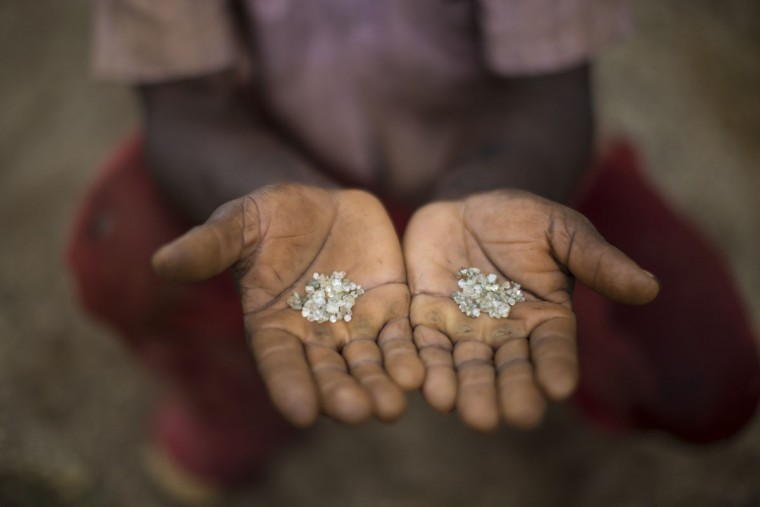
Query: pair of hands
[(406, 332)]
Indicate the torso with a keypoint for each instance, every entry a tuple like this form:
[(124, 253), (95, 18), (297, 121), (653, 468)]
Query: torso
[(371, 87)]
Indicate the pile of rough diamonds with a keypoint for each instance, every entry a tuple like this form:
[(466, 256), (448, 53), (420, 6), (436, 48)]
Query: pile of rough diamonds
[(327, 298), (481, 294)]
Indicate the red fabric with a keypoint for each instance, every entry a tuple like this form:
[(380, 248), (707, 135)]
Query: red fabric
[(686, 364), (217, 420)]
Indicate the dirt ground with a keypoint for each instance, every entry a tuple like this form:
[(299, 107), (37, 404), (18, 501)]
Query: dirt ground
[(685, 88)]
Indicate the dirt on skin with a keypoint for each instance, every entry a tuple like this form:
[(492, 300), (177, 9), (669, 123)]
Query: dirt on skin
[(73, 405)]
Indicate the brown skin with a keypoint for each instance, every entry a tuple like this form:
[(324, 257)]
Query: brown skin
[(503, 369), (206, 147), (274, 240)]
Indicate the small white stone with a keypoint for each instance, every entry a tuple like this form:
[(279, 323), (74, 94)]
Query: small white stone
[(481, 294), (327, 298)]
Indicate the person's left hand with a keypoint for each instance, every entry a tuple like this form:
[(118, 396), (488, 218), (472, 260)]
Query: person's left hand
[(502, 369)]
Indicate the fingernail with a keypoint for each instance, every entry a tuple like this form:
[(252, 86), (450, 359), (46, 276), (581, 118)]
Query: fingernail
[(650, 274)]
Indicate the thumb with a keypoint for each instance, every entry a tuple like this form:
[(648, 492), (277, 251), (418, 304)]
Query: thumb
[(600, 266), (208, 249)]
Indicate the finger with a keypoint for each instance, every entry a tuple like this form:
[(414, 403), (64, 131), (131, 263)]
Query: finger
[(387, 310), (437, 312), (599, 265), (425, 240), (555, 358), (520, 400), (342, 396), (400, 355), (283, 367), (209, 249), (440, 384), (476, 398), (366, 365)]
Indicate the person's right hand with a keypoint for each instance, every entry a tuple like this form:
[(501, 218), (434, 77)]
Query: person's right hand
[(275, 239)]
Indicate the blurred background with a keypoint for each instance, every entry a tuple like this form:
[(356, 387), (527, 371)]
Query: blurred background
[(685, 89)]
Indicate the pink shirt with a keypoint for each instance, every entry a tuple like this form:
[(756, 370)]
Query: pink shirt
[(342, 75)]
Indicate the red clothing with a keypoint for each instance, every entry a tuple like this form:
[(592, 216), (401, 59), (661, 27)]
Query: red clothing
[(686, 363), (217, 421)]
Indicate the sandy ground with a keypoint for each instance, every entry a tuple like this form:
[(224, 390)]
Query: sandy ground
[(72, 404)]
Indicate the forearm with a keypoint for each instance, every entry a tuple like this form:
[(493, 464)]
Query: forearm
[(205, 146), (531, 133)]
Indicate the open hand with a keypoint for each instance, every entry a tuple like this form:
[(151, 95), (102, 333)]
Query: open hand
[(503, 369), (275, 239)]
